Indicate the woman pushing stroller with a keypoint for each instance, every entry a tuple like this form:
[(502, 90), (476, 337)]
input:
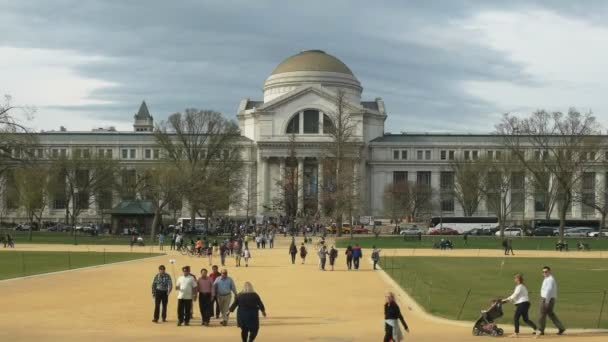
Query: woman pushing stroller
[(522, 304)]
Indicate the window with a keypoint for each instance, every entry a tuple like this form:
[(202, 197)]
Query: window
[(498, 155), (328, 125), (63, 152), (55, 153), (588, 194), (399, 177), (446, 187), (423, 178), (311, 122), (419, 154), (148, 154), (403, 154), (475, 155), (104, 200), (109, 153), (467, 155), (443, 155), (294, 124), (490, 155), (451, 155), (396, 155), (427, 155), (132, 153), (157, 153), (518, 198), (125, 153), (39, 153)]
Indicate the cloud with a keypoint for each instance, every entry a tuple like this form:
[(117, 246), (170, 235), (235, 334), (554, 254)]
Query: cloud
[(442, 60)]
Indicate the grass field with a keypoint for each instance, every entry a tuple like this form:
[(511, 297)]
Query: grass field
[(18, 264), (81, 238), (474, 242), (441, 285)]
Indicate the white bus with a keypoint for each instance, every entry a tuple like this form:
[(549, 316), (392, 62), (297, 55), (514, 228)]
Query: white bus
[(464, 223), (183, 222)]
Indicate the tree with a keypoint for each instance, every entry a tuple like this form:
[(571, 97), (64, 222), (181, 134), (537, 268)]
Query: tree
[(287, 199), (503, 189), (16, 139), (407, 199), (78, 178), (160, 184), (32, 183), (556, 149), (343, 152), (205, 149), (468, 185)]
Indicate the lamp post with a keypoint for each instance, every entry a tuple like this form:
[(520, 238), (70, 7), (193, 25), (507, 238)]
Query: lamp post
[(74, 199)]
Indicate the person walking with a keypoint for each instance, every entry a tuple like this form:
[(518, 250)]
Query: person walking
[(333, 254), (505, 245), (357, 255), (214, 275), (509, 247), (522, 304), (322, 253), (186, 287), (223, 252), (238, 254), (264, 239), (375, 255), (349, 257), (178, 241), (249, 303), (392, 317), (205, 296), (271, 239), (161, 241), (303, 253), (548, 296), (246, 256), (224, 287), (161, 288), (293, 251), (173, 237), (258, 240)]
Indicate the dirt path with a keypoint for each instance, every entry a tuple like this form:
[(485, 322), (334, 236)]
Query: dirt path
[(304, 304)]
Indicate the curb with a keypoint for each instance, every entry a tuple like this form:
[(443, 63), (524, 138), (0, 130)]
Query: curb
[(407, 301)]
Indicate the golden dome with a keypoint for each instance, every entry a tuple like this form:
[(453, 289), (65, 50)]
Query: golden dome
[(312, 60)]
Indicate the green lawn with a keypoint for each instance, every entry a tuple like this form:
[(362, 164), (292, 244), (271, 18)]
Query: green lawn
[(474, 242), (15, 264), (81, 238), (441, 284)]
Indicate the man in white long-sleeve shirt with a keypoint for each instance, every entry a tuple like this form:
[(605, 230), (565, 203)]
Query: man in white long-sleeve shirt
[(548, 294)]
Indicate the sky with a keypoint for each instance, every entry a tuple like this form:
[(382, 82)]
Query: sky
[(440, 66)]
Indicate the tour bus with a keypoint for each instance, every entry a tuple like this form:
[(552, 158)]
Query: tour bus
[(184, 223), (464, 223)]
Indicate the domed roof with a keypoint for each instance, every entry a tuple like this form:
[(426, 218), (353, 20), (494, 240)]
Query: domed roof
[(312, 60)]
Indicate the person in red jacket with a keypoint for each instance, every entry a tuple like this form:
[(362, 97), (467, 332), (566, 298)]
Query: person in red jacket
[(215, 273), (357, 255)]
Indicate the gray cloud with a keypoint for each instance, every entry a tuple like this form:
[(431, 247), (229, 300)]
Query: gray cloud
[(211, 54)]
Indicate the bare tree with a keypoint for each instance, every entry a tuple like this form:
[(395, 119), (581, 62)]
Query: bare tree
[(160, 184), (343, 153), (15, 137), (407, 199), (79, 177), (204, 148), (287, 199), (555, 148), (32, 183), (468, 185)]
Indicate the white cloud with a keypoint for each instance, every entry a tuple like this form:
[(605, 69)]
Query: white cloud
[(41, 78), (568, 56)]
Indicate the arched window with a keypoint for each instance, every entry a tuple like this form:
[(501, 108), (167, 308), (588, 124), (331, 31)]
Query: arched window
[(311, 123), (293, 126)]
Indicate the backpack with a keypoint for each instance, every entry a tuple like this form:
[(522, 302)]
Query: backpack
[(375, 255)]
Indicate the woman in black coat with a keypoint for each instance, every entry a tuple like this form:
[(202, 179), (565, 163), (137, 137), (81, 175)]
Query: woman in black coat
[(247, 316), (392, 317), (293, 251)]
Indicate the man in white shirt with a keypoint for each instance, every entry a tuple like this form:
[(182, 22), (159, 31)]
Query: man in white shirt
[(548, 294), (185, 286)]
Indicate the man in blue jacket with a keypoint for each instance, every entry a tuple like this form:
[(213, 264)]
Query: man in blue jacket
[(357, 255)]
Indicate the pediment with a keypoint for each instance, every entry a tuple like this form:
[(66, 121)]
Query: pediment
[(317, 92)]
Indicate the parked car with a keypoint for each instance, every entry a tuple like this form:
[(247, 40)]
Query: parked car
[(345, 228), (597, 233), (360, 230), (480, 231), (443, 231), (411, 231), (511, 232), (578, 232), (543, 231), (60, 227), (24, 227)]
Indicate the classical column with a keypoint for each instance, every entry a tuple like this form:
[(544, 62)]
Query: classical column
[(300, 184), (320, 186), (262, 174), (600, 186), (281, 173)]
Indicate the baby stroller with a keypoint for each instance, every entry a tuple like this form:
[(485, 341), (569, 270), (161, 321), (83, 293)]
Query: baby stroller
[(485, 324)]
